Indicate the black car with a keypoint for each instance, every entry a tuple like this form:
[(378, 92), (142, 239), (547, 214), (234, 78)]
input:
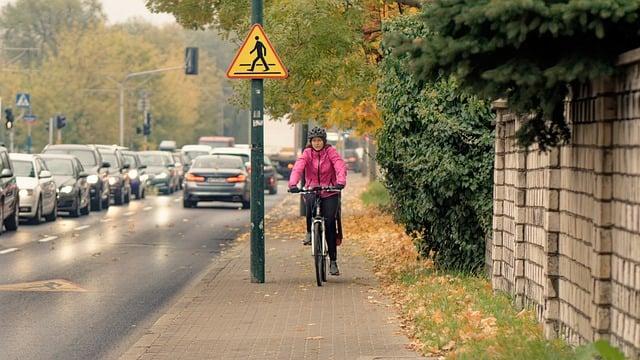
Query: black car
[(94, 165), (119, 181), (352, 159), (74, 191)]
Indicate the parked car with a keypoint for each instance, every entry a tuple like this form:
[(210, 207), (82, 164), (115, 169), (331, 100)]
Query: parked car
[(270, 179), (74, 190), (9, 195), (119, 182), (161, 170), (37, 188), (177, 158), (137, 174), (217, 178), (94, 165), (217, 141), (190, 152), (284, 161), (353, 160)]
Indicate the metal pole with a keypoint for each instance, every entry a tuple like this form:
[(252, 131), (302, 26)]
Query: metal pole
[(50, 131), (121, 85), (11, 139), (29, 139), (257, 166)]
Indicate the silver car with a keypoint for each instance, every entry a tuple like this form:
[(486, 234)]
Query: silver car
[(217, 178), (38, 194)]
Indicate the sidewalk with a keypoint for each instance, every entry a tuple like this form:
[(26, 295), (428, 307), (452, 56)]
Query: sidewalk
[(224, 316)]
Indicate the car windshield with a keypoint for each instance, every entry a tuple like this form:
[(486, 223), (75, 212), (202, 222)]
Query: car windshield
[(130, 159), (86, 157), (60, 166), (217, 162), (190, 155), (110, 158), (154, 160), (23, 168)]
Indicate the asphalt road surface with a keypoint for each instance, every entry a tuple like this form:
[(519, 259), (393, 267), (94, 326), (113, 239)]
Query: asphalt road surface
[(86, 288)]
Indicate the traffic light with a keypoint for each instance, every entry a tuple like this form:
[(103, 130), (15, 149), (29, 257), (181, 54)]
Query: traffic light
[(146, 127), (8, 115), (61, 121), (191, 61)]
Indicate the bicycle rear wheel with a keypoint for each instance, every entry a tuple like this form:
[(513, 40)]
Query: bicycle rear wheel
[(317, 251)]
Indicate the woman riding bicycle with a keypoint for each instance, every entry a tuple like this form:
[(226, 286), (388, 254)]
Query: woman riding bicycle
[(322, 166)]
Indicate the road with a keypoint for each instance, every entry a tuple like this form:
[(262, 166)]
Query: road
[(104, 277)]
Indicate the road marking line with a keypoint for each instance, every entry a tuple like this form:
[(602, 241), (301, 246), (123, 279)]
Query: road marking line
[(55, 285), (82, 227), (7, 251), (47, 239), (129, 213), (106, 219), (148, 208)]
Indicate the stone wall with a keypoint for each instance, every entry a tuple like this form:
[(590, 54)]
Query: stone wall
[(566, 227)]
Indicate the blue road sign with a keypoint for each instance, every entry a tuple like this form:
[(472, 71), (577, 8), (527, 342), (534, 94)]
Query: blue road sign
[(30, 118), (23, 100)]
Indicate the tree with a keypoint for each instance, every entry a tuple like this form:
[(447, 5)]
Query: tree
[(329, 46), (529, 52), (38, 23)]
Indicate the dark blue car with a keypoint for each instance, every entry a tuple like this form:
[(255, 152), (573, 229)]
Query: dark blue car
[(137, 174)]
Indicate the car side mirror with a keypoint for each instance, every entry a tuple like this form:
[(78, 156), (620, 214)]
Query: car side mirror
[(45, 174), (5, 173), (142, 167), (170, 166), (126, 166), (83, 174), (106, 164)]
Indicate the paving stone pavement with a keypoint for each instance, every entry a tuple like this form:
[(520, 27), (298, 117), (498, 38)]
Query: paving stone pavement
[(224, 316)]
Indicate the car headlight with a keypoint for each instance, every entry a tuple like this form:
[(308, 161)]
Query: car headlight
[(113, 180), (161, 176), (92, 179), (133, 174), (66, 189), (26, 192)]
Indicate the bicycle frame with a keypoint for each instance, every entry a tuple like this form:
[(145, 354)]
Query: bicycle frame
[(318, 218)]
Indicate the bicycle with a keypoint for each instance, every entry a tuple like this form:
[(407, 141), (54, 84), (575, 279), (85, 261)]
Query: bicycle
[(319, 249)]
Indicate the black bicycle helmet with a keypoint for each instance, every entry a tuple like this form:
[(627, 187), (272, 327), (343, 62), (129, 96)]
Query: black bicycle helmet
[(317, 132)]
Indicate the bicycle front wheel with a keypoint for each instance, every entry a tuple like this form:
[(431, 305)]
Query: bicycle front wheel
[(317, 252)]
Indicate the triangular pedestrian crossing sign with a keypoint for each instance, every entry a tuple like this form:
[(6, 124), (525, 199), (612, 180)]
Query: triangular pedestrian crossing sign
[(257, 59)]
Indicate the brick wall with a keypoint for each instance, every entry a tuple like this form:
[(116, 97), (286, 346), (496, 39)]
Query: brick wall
[(566, 226)]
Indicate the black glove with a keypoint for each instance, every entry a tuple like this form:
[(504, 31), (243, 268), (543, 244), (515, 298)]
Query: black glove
[(339, 186), (294, 189)]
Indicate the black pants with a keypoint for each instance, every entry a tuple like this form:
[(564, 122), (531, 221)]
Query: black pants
[(329, 207)]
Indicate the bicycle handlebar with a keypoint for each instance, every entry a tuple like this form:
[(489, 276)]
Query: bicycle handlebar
[(314, 189)]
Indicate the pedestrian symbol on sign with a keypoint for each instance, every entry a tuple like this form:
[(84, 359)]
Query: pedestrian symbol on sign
[(257, 59)]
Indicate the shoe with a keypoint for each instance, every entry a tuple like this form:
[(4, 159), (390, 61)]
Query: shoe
[(333, 268), (307, 239)]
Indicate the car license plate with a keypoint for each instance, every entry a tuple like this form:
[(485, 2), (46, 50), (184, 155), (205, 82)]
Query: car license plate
[(216, 180)]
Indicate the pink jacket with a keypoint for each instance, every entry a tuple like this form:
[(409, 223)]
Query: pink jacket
[(321, 168)]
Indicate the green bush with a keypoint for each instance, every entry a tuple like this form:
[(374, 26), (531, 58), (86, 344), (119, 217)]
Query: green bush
[(528, 52), (436, 150)]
